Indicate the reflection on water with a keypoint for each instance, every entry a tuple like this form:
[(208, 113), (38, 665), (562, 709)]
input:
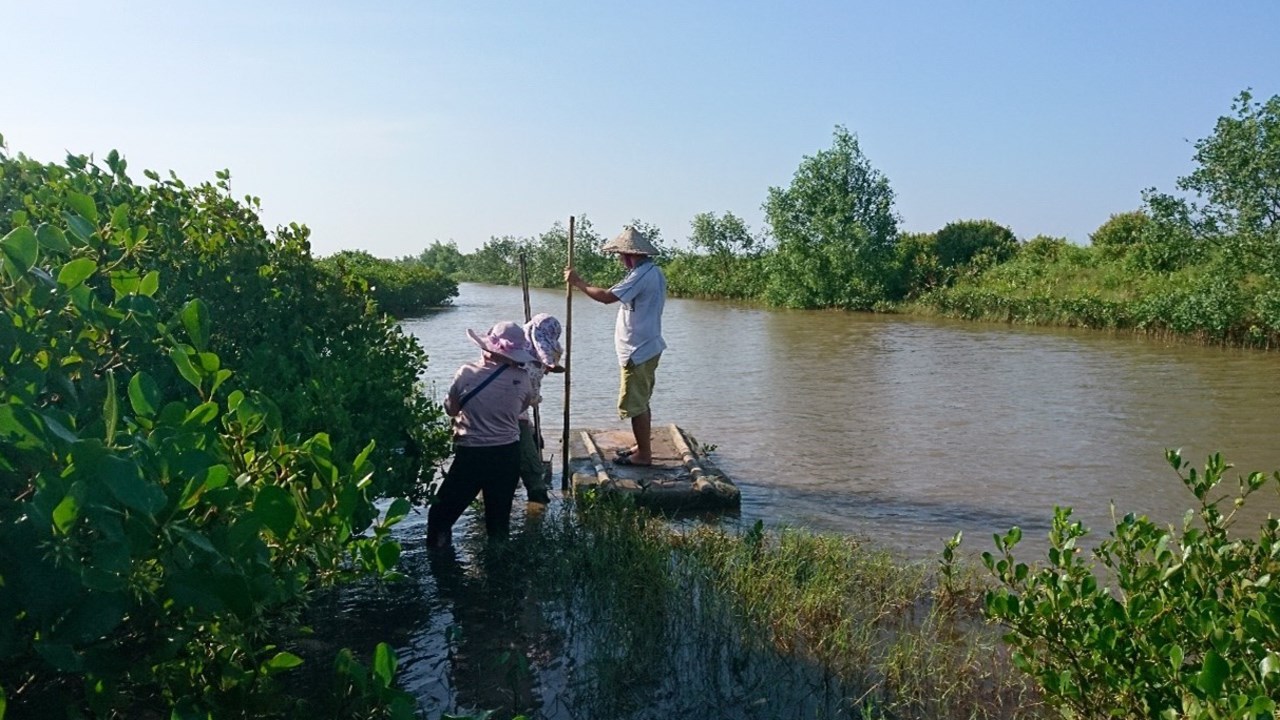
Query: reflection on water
[(476, 629), (908, 430)]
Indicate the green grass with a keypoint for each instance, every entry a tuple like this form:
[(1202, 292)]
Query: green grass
[(790, 623)]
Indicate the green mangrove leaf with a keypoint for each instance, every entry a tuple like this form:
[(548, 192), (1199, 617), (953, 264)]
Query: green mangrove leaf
[(76, 272), (188, 371), (195, 318), (275, 508), (20, 250), (1270, 665), (202, 414), (81, 229), (60, 656), (218, 378), (120, 215), (388, 555), (52, 238), (83, 205), (384, 664), (125, 481), (216, 477), (58, 430), (144, 394), (150, 283), (209, 362), (399, 509), (282, 661), (20, 427), (196, 539), (66, 513), (358, 466), (111, 408), (125, 282), (1212, 674)]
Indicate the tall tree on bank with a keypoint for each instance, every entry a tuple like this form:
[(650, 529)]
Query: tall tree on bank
[(835, 230), (1239, 169), (1236, 188)]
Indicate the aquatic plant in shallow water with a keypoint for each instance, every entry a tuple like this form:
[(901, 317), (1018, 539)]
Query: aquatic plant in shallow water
[(655, 618)]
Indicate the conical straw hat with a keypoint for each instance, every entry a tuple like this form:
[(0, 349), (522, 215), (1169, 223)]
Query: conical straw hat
[(630, 242)]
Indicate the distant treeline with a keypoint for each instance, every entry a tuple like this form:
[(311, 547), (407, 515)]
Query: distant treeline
[(1203, 263)]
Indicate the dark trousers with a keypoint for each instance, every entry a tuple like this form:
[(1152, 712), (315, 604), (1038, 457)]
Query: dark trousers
[(494, 471)]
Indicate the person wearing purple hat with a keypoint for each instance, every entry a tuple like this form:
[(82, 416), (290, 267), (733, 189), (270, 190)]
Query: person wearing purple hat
[(485, 401), (543, 333), (637, 335)]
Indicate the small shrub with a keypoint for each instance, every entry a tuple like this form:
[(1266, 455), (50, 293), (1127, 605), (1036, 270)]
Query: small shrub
[(961, 243), (1190, 630), (1120, 233)]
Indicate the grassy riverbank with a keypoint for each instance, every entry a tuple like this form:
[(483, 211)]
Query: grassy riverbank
[(1054, 283), (691, 620)]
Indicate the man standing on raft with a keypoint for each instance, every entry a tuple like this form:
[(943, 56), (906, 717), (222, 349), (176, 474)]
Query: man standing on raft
[(637, 335)]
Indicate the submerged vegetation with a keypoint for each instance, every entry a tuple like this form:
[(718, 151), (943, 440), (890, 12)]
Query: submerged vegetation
[(604, 610), (1202, 264)]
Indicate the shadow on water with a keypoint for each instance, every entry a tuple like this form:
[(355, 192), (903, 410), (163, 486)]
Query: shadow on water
[(481, 627)]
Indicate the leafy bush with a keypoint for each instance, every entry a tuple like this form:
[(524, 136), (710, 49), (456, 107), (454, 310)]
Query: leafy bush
[(918, 269), (160, 528), (164, 517), (400, 289), (1173, 239), (1120, 233), (1045, 249), (975, 243), (1191, 629), (291, 329), (444, 257), (725, 260)]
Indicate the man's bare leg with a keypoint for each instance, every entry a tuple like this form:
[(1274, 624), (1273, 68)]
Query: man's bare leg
[(640, 427)]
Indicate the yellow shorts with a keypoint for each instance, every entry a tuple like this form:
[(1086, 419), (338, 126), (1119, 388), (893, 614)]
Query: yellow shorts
[(637, 387)]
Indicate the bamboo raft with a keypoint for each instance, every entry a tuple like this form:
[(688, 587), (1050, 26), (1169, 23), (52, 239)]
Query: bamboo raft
[(681, 478)]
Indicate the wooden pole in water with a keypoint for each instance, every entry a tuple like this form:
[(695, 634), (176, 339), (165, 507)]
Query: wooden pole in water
[(568, 358), (528, 315)]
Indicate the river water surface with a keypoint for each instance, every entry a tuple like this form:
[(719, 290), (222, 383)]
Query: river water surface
[(905, 429), (900, 429)]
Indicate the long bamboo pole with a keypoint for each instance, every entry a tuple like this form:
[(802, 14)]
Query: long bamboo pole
[(568, 358)]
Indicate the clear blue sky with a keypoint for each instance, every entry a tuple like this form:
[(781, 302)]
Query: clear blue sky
[(385, 126)]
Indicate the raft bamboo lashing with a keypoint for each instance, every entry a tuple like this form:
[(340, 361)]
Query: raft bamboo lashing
[(681, 476)]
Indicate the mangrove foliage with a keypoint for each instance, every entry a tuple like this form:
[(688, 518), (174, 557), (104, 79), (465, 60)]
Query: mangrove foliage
[(195, 422)]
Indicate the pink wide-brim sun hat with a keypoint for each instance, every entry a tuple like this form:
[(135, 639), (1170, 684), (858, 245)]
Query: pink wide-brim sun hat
[(506, 339)]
